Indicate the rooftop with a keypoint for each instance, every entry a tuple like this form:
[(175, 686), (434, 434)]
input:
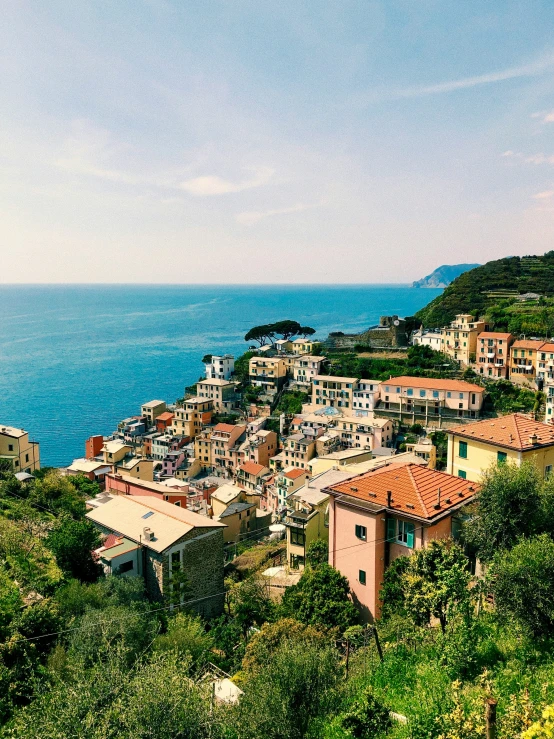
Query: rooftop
[(252, 468), (11, 431), (87, 465), (294, 473), (153, 403), (434, 384), (227, 493), (493, 335), (165, 416), (215, 381), (415, 489), (114, 446), (129, 515), (335, 378), (237, 507), (515, 431), (527, 344)]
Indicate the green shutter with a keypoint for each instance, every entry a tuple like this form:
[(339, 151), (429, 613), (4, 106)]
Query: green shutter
[(391, 529), (410, 531)]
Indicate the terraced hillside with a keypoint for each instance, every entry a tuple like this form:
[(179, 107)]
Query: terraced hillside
[(493, 284)]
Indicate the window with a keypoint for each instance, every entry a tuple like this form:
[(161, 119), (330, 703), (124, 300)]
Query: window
[(422, 393), (435, 393), (548, 470), (298, 537), (409, 391), (175, 558), (449, 394), (501, 457), (405, 534), (361, 577), (462, 474), (10, 447), (361, 532), (26, 457), (126, 566), (462, 449)]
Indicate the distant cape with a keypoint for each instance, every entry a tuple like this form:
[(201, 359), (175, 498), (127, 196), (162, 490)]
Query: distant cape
[(444, 275)]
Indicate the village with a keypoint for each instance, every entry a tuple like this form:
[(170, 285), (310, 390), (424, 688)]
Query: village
[(187, 485)]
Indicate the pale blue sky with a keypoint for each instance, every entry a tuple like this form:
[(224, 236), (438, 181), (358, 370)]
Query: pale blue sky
[(261, 141)]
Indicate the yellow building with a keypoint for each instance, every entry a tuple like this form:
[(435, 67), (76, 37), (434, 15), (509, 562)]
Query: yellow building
[(190, 419), (514, 438), (222, 393), (269, 373), (15, 446), (138, 467), (307, 516), (302, 346), (336, 392), (459, 340), (115, 451), (152, 410)]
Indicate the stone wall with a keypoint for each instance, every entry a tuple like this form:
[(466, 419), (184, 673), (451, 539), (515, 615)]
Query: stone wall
[(390, 333)]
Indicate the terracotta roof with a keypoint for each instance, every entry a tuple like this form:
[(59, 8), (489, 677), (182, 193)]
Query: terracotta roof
[(548, 347), (493, 335), (252, 468), (513, 431), (527, 344), (225, 427), (293, 474), (434, 384), (165, 416), (414, 488), (112, 540)]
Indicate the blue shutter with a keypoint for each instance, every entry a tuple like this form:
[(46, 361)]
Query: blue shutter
[(391, 529), (410, 531)]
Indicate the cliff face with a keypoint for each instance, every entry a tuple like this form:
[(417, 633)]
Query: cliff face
[(444, 275)]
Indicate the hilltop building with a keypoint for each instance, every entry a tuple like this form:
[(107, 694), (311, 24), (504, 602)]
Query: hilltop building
[(15, 447)]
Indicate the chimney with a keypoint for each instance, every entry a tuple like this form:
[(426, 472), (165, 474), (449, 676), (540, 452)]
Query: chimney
[(389, 498), (438, 503), (147, 534), (533, 439)]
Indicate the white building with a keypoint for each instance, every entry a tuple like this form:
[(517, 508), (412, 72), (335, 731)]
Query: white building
[(366, 397), (220, 368), (427, 338), (306, 367)]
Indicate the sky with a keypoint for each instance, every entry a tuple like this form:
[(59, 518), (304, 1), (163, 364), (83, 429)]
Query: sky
[(272, 141)]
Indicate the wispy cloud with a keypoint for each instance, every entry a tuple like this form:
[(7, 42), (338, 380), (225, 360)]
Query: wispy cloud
[(544, 117), (544, 195), (215, 185), (250, 218), (531, 69), (530, 159)]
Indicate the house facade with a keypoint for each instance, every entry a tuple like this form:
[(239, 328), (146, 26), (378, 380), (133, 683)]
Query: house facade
[(334, 392), (365, 397), (515, 438), (189, 420), (492, 357), (269, 373), (15, 447), (459, 340), (152, 410), (524, 362), (168, 540), (220, 367), (366, 432), (222, 393), (378, 516), (430, 400)]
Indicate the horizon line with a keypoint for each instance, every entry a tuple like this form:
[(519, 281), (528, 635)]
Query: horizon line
[(213, 284)]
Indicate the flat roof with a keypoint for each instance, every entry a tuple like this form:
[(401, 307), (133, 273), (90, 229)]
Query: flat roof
[(12, 431), (152, 403), (335, 378)]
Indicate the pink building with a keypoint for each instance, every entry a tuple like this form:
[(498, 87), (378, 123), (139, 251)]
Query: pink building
[(387, 513), (492, 354), (124, 485)]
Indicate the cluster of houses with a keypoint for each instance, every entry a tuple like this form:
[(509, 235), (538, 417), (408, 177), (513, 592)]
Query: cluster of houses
[(181, 487), (495, 355)]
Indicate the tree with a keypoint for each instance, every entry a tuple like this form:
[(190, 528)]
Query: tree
[(306, 331), (508, 506), (392, 591), (261, 334), (522, 582), (250, 603), (269, 638), (317, 552), (290, 690), (10, 602), (436, 582), (287, 329), (57, 493), (367, 717), (320, 597), (185, 635), (73, 543)]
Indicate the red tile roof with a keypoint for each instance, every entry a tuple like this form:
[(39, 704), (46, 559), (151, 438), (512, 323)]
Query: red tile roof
[(414, 488), (548, 347), (493, 335), (294, 474), (227, 428), (513, 431), (527, 344), (112, 540), (434, 384), (251, 468), (166, 416)]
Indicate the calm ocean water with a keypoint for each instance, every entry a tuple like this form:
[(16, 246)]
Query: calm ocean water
[(76, 359)]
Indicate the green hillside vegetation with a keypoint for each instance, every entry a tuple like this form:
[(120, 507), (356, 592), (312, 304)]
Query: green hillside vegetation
[(496, 284)]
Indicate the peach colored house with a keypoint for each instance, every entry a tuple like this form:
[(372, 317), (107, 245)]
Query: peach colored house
[(386, 513), (492, 354), (127, 485), (524, 355)]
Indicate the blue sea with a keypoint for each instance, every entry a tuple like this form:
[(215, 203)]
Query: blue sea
[(76, 359)]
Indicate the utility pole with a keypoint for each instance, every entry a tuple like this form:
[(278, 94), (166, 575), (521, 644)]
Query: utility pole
[(348, 658), (377, 642), (490, 718)]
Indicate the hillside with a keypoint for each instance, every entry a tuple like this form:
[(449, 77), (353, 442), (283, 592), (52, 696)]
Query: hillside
[(444, 275), (493, 284)]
